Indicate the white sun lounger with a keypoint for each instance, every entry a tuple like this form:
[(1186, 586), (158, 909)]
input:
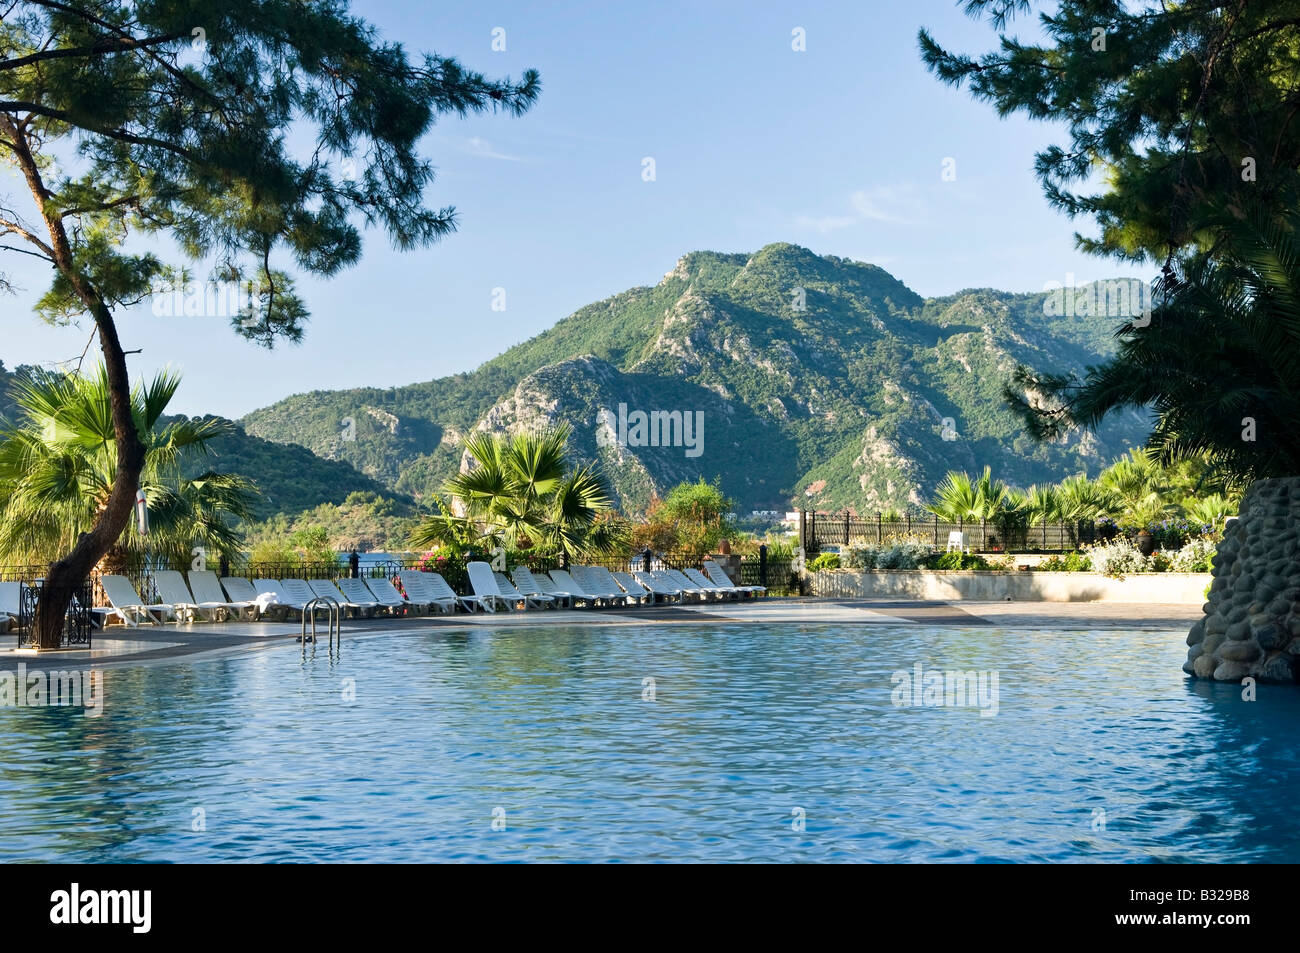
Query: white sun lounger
[(208, 595), (706, 589), (548, 586), (597, 579), (680, 583), (529, 585), (658, 586), (299, 591), (171, 587), (684, 583), (357, 593), (381, 590), (283, 596), (635, 589), (484, 585), (419, 592), (508, 589), (601, 588), (603, 579), (567, 583), (128, 606), (570, 583), (722, 580), (239, 590), (430, 589), (704, 582), (325, 589)]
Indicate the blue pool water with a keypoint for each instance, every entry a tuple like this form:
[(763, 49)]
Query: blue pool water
[(552, 734)]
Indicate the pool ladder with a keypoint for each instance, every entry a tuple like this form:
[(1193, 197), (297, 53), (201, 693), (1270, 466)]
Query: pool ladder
[(334, 623)]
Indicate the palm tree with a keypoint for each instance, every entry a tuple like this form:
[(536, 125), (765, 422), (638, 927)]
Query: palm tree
[(1079, 498), (1136, 489), (959, 497), (1042, 504), (1210, 510), (955, 498), (521, 492), (58, 464), (445, 528), (1146, 512), (990, 496), (1218, 363), (578, 515)]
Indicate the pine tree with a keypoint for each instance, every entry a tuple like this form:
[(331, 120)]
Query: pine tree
[(245, 131), (1185, 113), (1177, 109)]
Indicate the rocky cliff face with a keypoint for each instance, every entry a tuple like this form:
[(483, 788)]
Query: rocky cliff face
[(1252, 620), (821, 381)]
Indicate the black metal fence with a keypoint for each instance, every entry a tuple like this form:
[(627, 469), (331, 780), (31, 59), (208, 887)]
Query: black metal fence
[(77, 619), (141, 577), (846, 530)]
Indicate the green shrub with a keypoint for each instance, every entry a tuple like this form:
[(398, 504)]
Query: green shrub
[(1071, 562), (861, 557), (956, 560), (825, 561)]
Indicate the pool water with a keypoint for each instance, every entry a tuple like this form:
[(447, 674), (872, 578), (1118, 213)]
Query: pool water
[(752, 743)]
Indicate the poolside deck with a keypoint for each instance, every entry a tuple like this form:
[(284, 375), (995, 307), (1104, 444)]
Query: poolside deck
[(161, 644)]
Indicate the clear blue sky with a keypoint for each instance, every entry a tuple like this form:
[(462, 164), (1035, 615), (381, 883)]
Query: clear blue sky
[(838, 148)]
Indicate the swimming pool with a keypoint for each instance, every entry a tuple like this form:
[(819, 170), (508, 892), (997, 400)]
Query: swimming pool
[(752, 742)]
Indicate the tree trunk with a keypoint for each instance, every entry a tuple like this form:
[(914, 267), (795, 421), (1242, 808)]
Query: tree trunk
[(70, 572)]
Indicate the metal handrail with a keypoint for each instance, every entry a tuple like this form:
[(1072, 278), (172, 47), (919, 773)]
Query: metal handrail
[(334, 623)]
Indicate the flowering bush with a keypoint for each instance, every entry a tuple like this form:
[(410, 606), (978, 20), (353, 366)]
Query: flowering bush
[(1194, 556), (1117, 558), (860, 557), (450, 563), (1175, 533), (897, 552), (1106, 527)]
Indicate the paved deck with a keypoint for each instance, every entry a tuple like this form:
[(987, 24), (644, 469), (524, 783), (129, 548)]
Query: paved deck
[(118, 646)]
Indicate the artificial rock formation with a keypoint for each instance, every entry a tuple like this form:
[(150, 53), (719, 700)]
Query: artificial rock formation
[(1251, 625)]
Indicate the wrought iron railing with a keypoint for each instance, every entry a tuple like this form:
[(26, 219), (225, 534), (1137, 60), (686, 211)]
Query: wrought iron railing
[(78, 620), (818, 530)]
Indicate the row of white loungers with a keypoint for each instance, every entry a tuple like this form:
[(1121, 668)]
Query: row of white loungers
[(598, 586), (203, 597)]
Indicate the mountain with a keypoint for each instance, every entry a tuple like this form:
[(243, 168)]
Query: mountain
[(291, 478), (818, 381)]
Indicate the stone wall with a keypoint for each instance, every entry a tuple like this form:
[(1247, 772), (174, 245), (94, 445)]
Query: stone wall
[(1252, 621), (1168, 588)]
